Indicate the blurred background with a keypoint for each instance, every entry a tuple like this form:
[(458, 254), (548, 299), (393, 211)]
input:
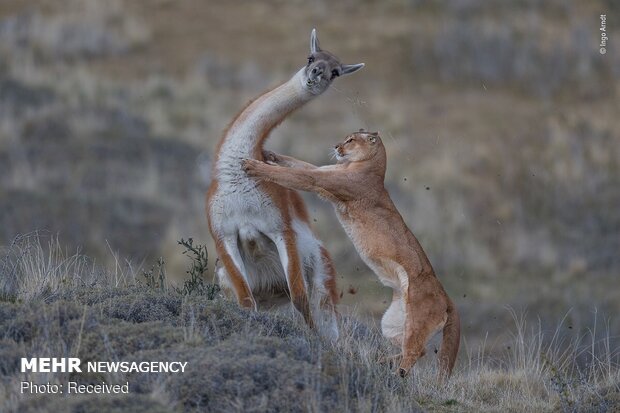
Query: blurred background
[(501, 121)]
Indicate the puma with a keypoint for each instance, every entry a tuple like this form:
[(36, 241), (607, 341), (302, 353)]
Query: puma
[(355, 185)]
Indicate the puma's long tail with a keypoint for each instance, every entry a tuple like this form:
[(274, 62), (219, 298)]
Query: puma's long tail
[(450, 341)]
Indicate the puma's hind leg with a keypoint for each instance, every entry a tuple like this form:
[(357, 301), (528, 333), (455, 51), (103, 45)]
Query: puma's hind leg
[(393, 321), (425, 315)]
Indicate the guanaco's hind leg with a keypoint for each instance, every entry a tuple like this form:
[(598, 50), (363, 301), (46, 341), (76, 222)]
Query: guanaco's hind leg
[(425, 315), (326, 293), (228, 252), (289, 257)]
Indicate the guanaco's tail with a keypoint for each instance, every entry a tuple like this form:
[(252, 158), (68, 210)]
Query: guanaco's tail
[(450, 341)]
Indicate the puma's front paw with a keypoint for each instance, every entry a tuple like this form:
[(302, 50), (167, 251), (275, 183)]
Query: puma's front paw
[(270, 157), (251, 166)]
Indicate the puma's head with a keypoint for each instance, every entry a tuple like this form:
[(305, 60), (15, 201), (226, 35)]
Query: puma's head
[(360, 146)]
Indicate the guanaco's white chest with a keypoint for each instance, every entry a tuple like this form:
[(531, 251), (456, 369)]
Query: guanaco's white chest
[(239, 204)]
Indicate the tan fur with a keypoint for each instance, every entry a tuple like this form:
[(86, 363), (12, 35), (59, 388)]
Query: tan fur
[(420, 306), (289, 203), (253, 223)]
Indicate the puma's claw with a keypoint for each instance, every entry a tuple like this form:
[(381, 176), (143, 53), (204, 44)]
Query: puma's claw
[(270, 157), (248, 164)]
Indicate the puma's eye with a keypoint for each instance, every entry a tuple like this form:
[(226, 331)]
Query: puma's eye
[(348, 141), (310, 59), (335, 73)]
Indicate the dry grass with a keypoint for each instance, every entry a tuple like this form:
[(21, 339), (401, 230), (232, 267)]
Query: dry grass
[(38, 268), (61, 310)]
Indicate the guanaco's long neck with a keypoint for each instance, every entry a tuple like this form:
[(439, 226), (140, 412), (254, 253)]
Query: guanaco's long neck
[(250, 129)]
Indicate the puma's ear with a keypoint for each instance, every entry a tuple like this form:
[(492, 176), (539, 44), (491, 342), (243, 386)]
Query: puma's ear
[(314, 42), (348, 69)]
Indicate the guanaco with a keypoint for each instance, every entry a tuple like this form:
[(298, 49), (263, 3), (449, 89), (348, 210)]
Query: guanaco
[(261, 230), (355, 185)]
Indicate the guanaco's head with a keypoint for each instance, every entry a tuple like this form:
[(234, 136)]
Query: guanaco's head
[(361, 146), (323, 67)]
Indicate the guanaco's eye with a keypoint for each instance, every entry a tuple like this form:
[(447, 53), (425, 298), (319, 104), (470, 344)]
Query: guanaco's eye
[(310, 59), (335, 73)]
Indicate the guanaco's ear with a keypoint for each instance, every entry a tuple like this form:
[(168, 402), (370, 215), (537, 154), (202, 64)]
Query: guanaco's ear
[(348, 69), (314, 42)]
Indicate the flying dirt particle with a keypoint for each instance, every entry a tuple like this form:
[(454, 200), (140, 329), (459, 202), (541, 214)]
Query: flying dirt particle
[(314, 219), (508, 347), (341, 293), (570, 327), (384, 302), (436, 351), (405, 179), (352, 290), (464, 295), (357, 269), (428, 188)]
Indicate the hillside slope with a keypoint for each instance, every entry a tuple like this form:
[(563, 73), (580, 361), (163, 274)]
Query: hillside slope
[(58, 305)]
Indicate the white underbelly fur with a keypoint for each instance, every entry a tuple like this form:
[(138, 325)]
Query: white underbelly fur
[(251, 220), (393, 320), (246, 214), (391, 274)]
